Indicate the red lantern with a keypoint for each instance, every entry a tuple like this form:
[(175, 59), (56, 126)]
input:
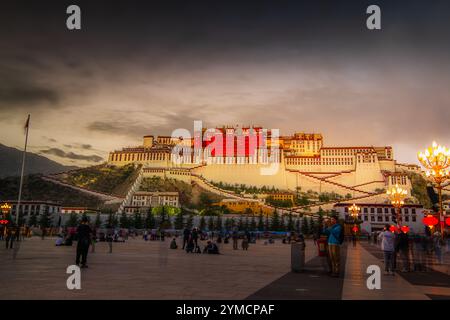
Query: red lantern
[(447, 221), (4, 221), (393, 228), (430, 221), (355, 229), (405, 229)]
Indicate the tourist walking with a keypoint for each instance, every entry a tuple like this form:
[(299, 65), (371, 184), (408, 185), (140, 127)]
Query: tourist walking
[(387, 239), (84, 240), (334, 232)]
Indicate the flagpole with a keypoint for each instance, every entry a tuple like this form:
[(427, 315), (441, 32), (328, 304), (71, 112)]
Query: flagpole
[(23, 169)]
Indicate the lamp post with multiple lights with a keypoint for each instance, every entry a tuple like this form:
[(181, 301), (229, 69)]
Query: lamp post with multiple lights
[(5, 211), (436, 161), (354, 212), (397, 196)]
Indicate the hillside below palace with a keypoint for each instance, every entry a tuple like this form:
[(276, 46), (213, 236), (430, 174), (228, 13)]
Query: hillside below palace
[(303, 161)]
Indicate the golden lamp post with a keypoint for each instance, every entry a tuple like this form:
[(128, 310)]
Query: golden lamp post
[(436, 160), (397, 196), (354, 212), (5, 210)]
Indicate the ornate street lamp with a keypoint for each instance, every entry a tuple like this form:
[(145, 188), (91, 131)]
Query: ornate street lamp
[(397, 196), (354, 212), (436, 159), (5, 211)]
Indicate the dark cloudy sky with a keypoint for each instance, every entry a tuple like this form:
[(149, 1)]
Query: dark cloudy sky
[(149, 67)]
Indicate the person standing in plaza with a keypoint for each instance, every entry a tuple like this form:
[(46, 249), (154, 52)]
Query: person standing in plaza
[(354, 239), (438, 243), (387, 238), (186, 235), (109, 239), (235, 240), (334, 231), (403, 249), (195, 237), (84, 239)]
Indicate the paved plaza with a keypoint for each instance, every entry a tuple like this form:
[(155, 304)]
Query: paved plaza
[(149, 270)]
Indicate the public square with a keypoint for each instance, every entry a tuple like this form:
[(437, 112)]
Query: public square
[(150, 270)]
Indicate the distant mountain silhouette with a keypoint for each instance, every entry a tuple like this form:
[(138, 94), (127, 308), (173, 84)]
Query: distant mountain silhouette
[(11, 161)]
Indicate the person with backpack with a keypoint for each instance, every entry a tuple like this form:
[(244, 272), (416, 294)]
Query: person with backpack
[(335, 234)]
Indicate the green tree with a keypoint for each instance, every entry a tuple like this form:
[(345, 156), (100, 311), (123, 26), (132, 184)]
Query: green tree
[(179, 222), (305, 227), (282, 223), (33, 221), (266, 223), (246, 223), (241, 223), (275, 225), (137, 221), (45, 221), (297, 225), (260, 222), (290, 223), (253, 224), (205, 200), (149, 222), (110, 221), (210, 224), (190, 222), (115, 221), (232, 223), (202, 224), (98, 221), (219, 223), (312, 226), (85, 216), (319, 224), (72, 221), (124, 221), (228, 225)]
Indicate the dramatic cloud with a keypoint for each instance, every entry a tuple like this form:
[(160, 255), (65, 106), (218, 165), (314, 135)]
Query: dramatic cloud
[(293, 65), (70, 155)]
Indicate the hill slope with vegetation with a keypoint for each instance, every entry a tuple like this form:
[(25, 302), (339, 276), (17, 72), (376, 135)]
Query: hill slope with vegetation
[(190, 196), (107, 179), (35, 188)]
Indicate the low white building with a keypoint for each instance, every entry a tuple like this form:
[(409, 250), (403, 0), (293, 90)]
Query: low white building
[(30, 208), (375, 215), (155, 199)]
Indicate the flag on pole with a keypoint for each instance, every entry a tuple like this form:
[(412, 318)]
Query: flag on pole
[(27, 124)]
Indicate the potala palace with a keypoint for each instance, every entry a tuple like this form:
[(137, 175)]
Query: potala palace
[(300, 161)]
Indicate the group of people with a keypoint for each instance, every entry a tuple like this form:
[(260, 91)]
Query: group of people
[(418, 249), (191, 243)]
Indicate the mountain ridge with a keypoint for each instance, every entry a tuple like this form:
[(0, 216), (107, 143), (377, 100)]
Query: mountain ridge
[(11, 161)]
